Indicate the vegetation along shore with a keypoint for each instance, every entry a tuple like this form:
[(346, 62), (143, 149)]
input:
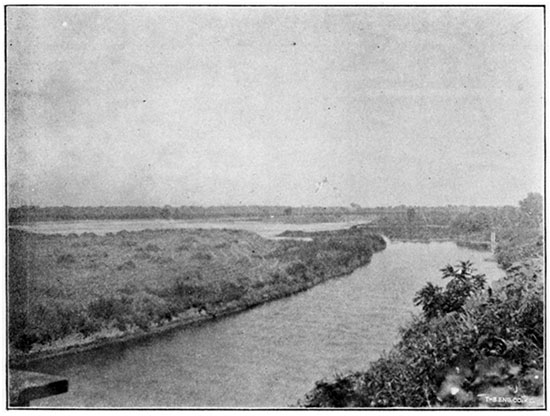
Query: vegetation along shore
[(69, 293), (473, 345)]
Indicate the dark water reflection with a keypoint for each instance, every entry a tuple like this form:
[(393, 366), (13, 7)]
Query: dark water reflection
[(269, 356)]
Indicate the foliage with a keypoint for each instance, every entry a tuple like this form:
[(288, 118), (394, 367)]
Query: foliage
[(518, 243), (31, 213), (436, 302), (532, 207), (492, 345), (474, 222), (81, 285)]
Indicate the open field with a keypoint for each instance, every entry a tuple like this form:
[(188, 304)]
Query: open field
[(76, 289)]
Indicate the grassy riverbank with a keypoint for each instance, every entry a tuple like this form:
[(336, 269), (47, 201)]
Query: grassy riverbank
[(473, 346), (72, 291)]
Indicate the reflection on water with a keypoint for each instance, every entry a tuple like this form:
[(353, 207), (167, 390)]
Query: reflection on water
[(272, 355)]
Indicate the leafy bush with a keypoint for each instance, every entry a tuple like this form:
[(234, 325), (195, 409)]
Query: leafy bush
[(25, 339), (231, 291), (127, 265), (48, 322), (202, 256), (437, 302), (149, 309), (111, 308), (297, 269), (518, 244), (152, 247), (492, 344), (66, 259)]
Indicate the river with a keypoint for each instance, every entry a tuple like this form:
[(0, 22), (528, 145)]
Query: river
[(269, 356), (101, 227)]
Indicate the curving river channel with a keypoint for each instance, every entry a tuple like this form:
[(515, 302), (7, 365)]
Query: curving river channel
[(269, 356)]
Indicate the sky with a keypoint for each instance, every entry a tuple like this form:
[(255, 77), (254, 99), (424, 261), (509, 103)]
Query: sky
[(274, 106)]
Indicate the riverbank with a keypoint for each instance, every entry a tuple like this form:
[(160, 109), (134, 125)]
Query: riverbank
[(417, 234), (87, 291), (475, 345)]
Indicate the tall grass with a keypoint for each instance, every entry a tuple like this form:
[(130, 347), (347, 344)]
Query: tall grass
[(80, 285)]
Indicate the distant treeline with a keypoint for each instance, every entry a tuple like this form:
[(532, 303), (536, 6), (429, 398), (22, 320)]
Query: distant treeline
[(65, 213), (469, 219), (452, 222)]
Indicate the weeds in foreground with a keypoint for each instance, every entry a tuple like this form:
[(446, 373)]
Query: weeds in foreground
[(463, 352)]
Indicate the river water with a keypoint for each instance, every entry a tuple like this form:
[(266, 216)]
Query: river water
[(269, 356), (101, 227)]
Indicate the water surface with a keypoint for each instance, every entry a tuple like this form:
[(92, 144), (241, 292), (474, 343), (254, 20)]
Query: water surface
[(269, 356), (102, 227)]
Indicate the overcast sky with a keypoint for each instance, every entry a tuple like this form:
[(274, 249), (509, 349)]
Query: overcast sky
[(228, 106)]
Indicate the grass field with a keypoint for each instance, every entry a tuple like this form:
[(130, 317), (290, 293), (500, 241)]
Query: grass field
[(82, 286)]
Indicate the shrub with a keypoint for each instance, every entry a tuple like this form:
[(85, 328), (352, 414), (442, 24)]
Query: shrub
[(47, 322), (230, 292), (297, 269), (87, 326), (148, 308), (66, 259), (436, 302), (152, 247), (110, 308), (185, 294), (127, 265), (202, 256), (451, 356), (25, 339)]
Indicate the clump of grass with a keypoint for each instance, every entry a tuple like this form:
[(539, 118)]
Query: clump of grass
[(202, 256), (127, 265), (152, 247), (66, 259)]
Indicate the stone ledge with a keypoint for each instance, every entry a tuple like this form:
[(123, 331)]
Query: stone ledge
[(25, 386)]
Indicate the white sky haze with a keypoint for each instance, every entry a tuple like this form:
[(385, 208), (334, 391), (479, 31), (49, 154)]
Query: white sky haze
[(229, 106)]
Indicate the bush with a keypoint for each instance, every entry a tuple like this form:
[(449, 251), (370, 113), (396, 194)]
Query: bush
[(47, 322), (66, 259), (451, 356), (185, 294), (201, 256), (297, 269), (230, 292), (25, 339), (437, 302), (108, 309), (87, 326), (148, 308), (152, 247), (127, 265)]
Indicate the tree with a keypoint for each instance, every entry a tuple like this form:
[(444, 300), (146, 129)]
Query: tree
[(411, 215), (165, 212), (531, 207), (472, 222)]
